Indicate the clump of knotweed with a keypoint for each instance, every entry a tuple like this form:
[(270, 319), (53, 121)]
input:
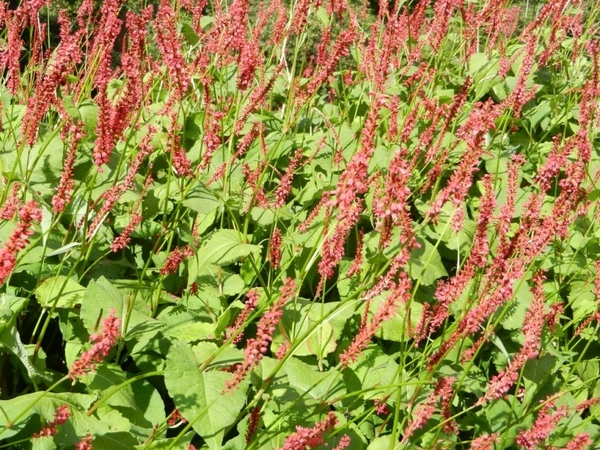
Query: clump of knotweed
[(437, 188)]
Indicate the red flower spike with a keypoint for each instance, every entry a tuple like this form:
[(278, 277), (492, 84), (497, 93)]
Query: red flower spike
[(85, 443), (258, 346), (18, 239), (60, 417), (103, 343), (310, 437)]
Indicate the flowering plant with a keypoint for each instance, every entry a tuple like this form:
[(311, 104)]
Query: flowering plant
[(260, 225)]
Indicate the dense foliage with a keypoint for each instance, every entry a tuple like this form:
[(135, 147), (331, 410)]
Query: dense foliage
[(298, 224)]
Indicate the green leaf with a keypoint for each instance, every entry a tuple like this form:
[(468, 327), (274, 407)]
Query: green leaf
[(326, 322), (383, 443), (101, 296), (10, 307), (184, 326), (59, 291), (538, 369), (262, 216), (426, 263), (222, 248), (199, 395), (43, 443), (376, 370), (517, 308), (168, 444), (139, 401), (396, 329), (11, 340), (321, 386), (70, 107), (540, 111), (582, 299), (89, 115), (323, 16), (201, 199), (17, 411), (189, 34), (115, 441), (477, 61)]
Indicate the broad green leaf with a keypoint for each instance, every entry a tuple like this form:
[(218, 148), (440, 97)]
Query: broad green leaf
[(11, 340), (321, 386), (582, 299), (222, 248), (500, 413), (383, 443), (89, 115), (184, 326), (515, 311), (206, 21), (63, 249), (538, 369), (48, 159), (168, 444), (139, 402), (595, 409), (323, 322), (460, 242), (200, 396), (219, 358), (539, 112), (70, 107), (201, 199), (426, 264), (189, 34), (101, 296), (263, 217), (477, 61), (323, 16), (115, 441), (43, 443), (396, 329), (375, 370), (59, 291), (17, 411)]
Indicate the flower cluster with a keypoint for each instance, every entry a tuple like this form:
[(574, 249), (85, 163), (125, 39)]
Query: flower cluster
[(310, 437), (60, 417), (275, 248), (442, 390), (103, 343), (251, 302), (532, 328), (85, 443), (253, 423), (544, 424), (175, 258), (12, 203), (18, 239), (258, 346), (398, 295)]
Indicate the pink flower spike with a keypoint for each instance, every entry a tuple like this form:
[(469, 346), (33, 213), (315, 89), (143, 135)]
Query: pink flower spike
[(85, 443), (103, 343), (19, 239), (60, 416), (544, 424), (258, 346), (309, 437)]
